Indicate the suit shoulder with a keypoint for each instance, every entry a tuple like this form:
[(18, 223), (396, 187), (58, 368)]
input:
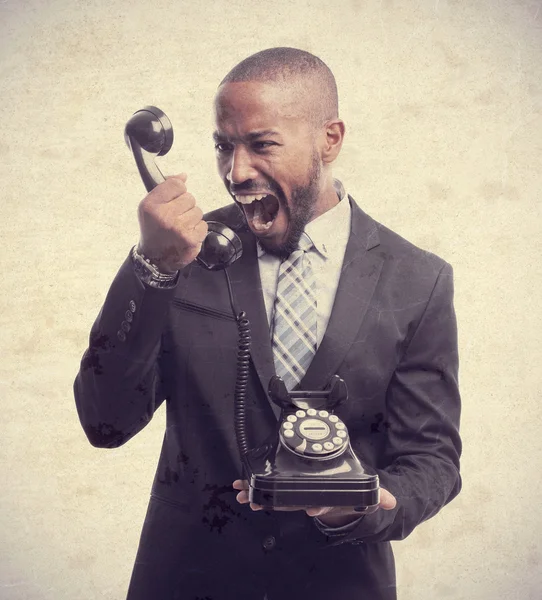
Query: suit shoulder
[(405, 266), (395, 247), (391, 246), (409, 270)]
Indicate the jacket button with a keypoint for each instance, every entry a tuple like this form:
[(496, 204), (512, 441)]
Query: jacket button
[(269, 542), (121, 335), (132, 306), (129, 316)]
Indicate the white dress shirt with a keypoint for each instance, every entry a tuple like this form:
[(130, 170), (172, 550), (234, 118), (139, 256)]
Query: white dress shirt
[(329, 234)]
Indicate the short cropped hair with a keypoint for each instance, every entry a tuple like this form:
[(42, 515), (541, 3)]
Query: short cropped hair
[(287, 65)]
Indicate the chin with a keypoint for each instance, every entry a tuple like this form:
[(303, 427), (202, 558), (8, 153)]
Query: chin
[(281, 246)]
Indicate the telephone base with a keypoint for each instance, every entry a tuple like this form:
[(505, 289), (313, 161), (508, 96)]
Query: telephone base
[(277, 481), (295, 492), (309, 461)]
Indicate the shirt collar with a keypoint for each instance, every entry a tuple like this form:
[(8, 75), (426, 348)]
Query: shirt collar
[(336, 219)]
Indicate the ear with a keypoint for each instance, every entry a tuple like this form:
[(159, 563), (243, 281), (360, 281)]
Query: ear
[(333, 140)]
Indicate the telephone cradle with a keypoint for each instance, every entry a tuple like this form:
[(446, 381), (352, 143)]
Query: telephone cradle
[(309, 461)]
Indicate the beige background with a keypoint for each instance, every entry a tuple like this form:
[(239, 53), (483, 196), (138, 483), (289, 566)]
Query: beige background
[(443, 104)]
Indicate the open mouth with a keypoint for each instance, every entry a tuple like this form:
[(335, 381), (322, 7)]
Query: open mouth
[(260, 210)]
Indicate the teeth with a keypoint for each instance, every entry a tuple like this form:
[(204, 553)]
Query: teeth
[(263, 226), (249, 199), (257, 221)]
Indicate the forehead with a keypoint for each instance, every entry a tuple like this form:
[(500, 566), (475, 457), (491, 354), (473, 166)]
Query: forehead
[(251, 105)]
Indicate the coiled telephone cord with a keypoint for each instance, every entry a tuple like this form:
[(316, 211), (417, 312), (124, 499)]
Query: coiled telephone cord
[(243, 369)]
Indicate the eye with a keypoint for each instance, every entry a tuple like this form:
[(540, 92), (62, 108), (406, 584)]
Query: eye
[(222, 147), (262, 146)]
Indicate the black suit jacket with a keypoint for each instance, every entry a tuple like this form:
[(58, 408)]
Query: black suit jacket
[(391, 336)]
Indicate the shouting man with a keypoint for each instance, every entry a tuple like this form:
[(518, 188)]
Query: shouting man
[(371, 308)]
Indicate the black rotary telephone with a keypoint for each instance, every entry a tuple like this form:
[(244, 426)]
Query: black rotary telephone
[(308, 460)]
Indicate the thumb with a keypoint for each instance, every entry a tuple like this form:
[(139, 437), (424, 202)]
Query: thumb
[(317, 512), (182, 176), (387, 500)]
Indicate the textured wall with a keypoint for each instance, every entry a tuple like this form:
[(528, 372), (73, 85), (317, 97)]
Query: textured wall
[(443, 104)]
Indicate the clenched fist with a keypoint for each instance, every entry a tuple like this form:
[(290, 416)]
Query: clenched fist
[(171, 225)]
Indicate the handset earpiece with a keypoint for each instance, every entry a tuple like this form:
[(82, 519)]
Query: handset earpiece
[(149, 132)]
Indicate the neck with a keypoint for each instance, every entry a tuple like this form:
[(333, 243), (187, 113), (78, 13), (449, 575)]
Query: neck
[(327, 199)]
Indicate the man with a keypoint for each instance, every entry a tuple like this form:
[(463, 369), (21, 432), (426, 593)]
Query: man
[(380, 316)]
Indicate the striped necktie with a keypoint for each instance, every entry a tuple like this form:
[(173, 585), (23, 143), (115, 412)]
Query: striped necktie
[(294, 320)]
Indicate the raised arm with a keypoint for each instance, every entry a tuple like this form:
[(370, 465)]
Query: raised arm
[(118, 386)]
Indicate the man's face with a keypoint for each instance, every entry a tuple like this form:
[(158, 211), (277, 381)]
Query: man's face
[(268, 160)]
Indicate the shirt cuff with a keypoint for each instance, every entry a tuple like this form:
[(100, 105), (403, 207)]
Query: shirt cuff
[(337, 531)]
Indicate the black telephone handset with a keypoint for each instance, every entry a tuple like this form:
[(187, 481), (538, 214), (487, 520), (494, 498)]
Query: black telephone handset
[(309, 461), (149, 132)]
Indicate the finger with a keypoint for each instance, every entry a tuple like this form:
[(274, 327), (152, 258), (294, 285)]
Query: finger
[(200, 232), (387, 500), (191, 217), (181, 203), (164, 193), (317, 511), (169, 190), (191, 240), (242, 497), (240, 484), (182, 176), (172, 188)]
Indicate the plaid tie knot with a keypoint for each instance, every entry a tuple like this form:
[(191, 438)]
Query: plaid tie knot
[(294, 319)]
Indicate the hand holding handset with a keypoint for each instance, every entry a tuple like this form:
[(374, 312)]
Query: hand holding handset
[(149, 133)]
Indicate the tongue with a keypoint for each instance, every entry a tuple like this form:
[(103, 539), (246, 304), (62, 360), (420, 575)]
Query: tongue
[(261, 219)]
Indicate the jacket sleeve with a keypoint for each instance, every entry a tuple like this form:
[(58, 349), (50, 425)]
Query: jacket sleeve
[(423, 412), (118, 386)]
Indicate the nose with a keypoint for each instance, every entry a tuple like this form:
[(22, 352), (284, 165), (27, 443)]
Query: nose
[(241, 167)]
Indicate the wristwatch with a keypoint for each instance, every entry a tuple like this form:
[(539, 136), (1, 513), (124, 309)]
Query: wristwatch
[(149, 273)]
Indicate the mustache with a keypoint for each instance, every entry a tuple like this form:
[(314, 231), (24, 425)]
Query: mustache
[(251, 186)]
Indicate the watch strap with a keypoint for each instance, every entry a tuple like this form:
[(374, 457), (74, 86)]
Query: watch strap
[(150, 274)]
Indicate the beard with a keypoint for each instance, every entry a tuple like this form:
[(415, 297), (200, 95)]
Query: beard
[(303, 201)]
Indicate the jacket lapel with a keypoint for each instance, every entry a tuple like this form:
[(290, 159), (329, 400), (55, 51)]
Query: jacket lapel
[(359, 276)]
